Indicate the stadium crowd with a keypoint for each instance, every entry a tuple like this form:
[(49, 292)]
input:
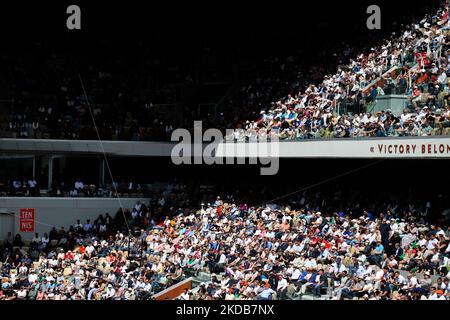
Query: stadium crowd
[(261, 252), (310, 104), (414, 63), (29, 187), (19, 187)]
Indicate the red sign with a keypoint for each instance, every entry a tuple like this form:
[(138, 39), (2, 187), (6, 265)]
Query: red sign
[(26, 223), (422, 58)]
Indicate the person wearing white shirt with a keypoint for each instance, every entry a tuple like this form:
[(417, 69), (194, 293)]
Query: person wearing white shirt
[(23, 269), (337, 268), (184, 295), (324, 255), (360, 271), (32, 183), (148, 286), (310, 264), (270, 235), (297, 248), (109, 292), (89, 249), (282, 287), (17, 184), (445, 263), (435, 257), (223, 259), (435, 296), (400, 279), (282, 284), (413, 282), (22, 294), (296, 274), (111, 277), (432, 243), (238, 275), (405, 116), (272, 257), (79, 185), (422, 242), (442, 78), (32, 277)]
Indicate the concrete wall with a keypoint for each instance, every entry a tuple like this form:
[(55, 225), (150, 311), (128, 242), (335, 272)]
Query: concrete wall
[(89, 147), (320, 148), (56, 212), (396, 103)]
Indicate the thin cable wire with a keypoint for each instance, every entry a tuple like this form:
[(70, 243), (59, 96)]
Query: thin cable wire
[(275, 199), (104, 154), (324, 181)]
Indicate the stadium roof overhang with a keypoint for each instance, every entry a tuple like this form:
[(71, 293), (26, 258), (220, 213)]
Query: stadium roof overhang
[(398, 147)]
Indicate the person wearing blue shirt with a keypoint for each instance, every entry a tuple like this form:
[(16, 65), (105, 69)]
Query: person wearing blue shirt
[(301, 280), (266, 294), (379, 249), (377, 253)]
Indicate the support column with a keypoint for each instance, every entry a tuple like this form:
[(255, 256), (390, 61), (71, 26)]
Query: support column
[(101, 171), (34, 167), (50, 172)]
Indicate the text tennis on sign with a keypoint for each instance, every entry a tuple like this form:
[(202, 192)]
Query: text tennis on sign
[(26, 222)]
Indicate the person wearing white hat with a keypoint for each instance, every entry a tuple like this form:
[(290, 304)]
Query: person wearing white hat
[(109, 292)]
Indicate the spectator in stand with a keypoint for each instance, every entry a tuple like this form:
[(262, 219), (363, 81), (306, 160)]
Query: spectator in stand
[(312, 114), (258, 252), (296, 100), (33, 187), (79, 186)]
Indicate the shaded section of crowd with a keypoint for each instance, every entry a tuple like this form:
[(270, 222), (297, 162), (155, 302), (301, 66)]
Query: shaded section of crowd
[(413, 63)]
